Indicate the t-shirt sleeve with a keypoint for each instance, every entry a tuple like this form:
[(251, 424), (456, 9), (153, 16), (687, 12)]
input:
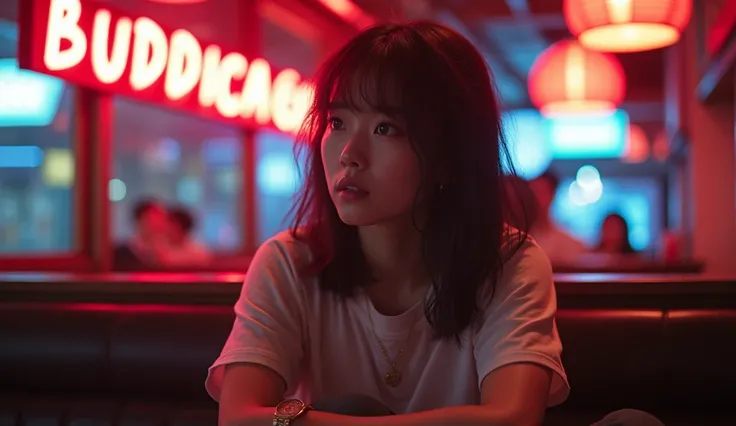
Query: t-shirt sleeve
[(268, 327), (519, 321)]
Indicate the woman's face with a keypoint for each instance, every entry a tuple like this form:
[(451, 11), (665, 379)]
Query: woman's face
[(372, 172)]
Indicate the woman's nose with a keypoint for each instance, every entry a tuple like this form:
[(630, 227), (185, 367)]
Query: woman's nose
[(353, 155)]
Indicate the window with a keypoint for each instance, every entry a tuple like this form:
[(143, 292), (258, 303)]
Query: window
[(179, 160), (638, 200), (278, 178), (36, 157)]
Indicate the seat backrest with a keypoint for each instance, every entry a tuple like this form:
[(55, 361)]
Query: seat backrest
[(614, 358), (649, 358), (146, 350)]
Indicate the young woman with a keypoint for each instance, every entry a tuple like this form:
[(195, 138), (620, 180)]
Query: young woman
[(400, 280)]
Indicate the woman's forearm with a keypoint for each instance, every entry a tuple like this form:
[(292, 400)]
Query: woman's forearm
[(466, 415)]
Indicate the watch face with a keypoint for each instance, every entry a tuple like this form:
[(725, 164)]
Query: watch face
[(290, 407)]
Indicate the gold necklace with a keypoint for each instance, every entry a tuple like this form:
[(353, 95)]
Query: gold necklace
[(393, 375)]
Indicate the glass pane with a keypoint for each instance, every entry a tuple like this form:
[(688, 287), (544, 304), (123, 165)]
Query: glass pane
[(637, 200), (278, 177), (36, 157), (283, 49), (180, 161), (278, 172)]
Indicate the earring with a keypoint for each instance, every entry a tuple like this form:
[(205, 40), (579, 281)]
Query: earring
[(442, 187)]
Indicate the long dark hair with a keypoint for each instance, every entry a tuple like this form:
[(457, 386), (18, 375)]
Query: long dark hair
[(442, 89), (626, 247)]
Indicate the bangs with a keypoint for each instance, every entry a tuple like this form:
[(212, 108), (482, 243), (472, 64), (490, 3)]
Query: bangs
[(370, 75)]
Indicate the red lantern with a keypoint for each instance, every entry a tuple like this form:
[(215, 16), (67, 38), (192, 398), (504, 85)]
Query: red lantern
[(566, 78), (627, 25)]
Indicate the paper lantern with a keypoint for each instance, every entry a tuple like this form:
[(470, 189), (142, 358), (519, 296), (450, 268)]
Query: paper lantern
[(627, 25), (567, 78)]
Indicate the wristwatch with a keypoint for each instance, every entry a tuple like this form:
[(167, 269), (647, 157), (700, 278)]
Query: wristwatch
[(288, 410)]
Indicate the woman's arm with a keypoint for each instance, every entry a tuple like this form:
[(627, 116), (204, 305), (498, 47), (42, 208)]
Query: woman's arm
[(515, 395)]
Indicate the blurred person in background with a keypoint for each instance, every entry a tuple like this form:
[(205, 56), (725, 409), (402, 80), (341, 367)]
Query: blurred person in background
[(614, 236), (151, 225), (181, 249), (561, 247)]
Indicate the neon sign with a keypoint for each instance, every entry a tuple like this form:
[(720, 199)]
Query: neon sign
[(99, 47)]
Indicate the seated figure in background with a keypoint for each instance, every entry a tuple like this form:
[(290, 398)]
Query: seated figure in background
[(151, 223), (614, 236), (181, 249)]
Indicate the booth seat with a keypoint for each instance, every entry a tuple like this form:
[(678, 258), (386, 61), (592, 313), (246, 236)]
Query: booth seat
[(140, 364)]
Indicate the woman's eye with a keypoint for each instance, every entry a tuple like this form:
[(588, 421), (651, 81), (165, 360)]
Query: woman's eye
[(384, 129), (335, 123)]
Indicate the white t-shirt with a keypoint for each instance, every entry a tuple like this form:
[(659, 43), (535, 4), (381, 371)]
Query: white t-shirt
[(323, 346)]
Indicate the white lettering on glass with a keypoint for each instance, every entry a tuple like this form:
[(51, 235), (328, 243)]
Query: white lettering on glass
[(185, 65), (287, 100), (254, 100), (232, 67), (209, 83), (150, 54), (64, 25), (109, 67), (180, 60)]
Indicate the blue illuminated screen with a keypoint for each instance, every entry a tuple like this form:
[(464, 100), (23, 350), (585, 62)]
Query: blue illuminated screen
[(27, 99), (534, 141), (588, 136)]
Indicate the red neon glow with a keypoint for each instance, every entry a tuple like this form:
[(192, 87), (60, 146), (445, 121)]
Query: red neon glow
[(627, 25), (350, 12), (637, 145), (96, 46), (567, 78)]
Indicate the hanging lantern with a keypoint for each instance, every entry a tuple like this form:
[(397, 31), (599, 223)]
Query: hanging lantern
[(566, 78), (637, 145), (627, 25)]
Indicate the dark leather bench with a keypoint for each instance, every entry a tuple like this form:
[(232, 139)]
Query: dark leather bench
[(135, 364)]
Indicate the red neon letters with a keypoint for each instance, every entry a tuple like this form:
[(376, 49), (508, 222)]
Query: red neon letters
[(134, 56)]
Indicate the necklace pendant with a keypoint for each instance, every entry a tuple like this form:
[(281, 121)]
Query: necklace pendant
[(393, 377)]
